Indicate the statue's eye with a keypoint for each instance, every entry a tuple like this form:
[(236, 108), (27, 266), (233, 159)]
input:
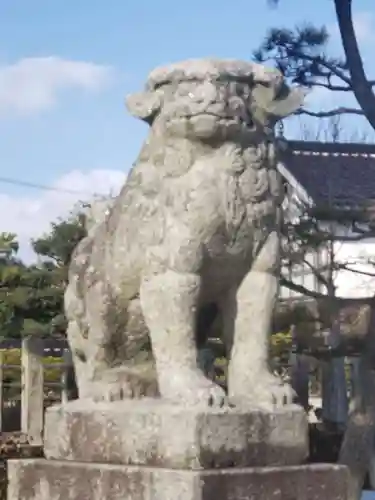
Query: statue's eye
[(246, 92), (185, 89), (240, 89)]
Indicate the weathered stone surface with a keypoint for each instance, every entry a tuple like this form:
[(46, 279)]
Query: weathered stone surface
[(204, 69), (196, 225), (56, 480), (150, 432)]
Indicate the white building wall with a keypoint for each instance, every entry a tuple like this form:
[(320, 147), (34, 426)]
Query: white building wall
[(354, 254), (302, 275), (349, 284)]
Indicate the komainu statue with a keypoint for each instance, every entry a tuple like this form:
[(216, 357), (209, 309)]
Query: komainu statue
[(195, 225)]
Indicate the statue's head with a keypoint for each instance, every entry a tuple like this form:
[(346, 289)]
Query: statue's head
[(215, 100)]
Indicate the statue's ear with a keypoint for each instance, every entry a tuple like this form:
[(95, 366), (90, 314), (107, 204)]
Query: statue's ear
[(274, 102), (287, 102), (144, 105)]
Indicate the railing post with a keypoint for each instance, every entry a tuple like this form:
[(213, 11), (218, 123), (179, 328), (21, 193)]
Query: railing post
[(334, 386), (334, 392), (1, 389), (299, 373), (358, 386), (355, 378), (32, 397), (206, 362), (68, 381)]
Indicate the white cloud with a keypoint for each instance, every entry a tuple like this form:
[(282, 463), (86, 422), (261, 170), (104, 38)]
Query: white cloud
[(33, 84), (30, 216), (364, 25)]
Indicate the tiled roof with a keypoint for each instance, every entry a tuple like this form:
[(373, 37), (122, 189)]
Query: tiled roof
[(337, 175)]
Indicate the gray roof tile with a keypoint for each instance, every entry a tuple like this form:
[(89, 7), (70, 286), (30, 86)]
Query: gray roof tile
[(336, 175)]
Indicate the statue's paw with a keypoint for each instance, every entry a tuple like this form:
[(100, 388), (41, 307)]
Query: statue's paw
[(191, 387), (269, 393), (281, 394), (104, 391), (209, 395)]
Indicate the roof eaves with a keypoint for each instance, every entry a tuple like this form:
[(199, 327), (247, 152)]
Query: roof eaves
[(301, 152), (297, 186)]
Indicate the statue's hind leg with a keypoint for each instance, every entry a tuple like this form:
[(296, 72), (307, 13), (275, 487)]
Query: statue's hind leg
[(74, 360), (104, 381)]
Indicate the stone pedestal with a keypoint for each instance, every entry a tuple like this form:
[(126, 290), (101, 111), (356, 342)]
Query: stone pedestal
[(150, 450), (62, 480), (153, 433)]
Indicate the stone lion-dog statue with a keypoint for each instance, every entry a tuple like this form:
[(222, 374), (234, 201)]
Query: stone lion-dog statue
[(196, 224)]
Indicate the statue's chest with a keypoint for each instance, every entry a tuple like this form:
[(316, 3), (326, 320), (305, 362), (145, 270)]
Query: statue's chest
[(250, 203), (235, 244), (251, 186)]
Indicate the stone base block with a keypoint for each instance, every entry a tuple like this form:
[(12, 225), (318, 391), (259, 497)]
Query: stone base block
[(155, 433), (40, 479)]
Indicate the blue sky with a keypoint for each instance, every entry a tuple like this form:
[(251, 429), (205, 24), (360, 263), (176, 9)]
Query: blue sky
[(65, 68)]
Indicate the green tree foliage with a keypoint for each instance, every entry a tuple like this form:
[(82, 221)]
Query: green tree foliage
[(57, 246), (8, 245), (31, 296)]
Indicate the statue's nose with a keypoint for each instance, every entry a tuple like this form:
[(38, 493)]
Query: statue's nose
[(205, 93)]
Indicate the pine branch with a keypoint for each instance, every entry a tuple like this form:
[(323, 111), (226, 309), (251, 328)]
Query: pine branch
[(346, 267), (301, 289), (336, 88), (331, 112), (323, 62)]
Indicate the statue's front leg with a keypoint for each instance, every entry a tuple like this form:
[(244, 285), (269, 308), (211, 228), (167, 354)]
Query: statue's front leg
[(169, 293), (169, 302), (250, 380)]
